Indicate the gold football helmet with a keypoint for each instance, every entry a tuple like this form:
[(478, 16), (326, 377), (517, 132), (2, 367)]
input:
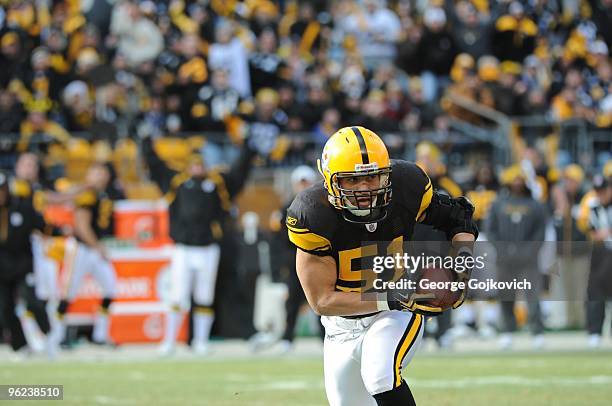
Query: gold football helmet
[(355, 152)]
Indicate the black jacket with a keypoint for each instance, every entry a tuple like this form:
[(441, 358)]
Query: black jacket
[(198, 206), (17, 221)]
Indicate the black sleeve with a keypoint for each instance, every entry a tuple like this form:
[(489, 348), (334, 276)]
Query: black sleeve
[(159, 171), (411, 187), (311, 222), (37, 222), (237, 175)]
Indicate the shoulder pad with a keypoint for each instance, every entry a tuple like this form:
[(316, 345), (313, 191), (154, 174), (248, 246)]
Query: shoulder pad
[(412, 187), (311, 221), (21, 188)]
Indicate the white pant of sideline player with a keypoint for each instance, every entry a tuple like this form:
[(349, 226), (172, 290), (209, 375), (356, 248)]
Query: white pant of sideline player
[(79, 260), (45, 278), (364, 357), (192, 269), (45, 271)]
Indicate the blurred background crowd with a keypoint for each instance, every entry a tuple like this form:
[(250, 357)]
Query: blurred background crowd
[(479, 92)]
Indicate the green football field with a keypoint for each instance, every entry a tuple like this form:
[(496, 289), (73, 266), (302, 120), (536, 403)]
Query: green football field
[(549, 378)]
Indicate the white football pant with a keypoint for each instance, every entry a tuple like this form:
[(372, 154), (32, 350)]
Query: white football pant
[(364, 357), (192, 269)]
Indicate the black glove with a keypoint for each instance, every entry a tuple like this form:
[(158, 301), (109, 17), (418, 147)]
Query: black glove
[(409, 302)]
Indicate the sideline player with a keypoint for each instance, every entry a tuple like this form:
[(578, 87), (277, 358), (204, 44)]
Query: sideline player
[(93, 220), (199, 199), (18, 220), (28, 185), (367, 342)]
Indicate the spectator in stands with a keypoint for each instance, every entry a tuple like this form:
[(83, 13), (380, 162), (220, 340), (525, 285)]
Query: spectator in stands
[(78, 110), (37, 132), (317, 101), (137, 37), (266, 66), (288, 103), (41, 81), (263, 16), (422, 113), (11, 112), (471, 31), (508, 90), (12, 57), (329, 123), (436, 52), (602, 15), (535, 74), (373, 108), (192, 71), (376, 30), (469, 86), (514, 35), (306, 31), (396, 101), (215, 103), (228, 52)]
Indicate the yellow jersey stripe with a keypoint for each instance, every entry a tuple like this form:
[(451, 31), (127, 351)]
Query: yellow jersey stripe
[(309, 241), (407, 341), (425, 200)]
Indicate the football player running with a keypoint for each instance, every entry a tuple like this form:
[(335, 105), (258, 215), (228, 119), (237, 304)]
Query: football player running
[(366, 197)]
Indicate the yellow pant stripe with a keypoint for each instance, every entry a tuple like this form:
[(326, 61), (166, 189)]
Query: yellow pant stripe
[(204, 310), (405, 344)]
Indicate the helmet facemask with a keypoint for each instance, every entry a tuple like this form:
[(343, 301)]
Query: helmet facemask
[(347, 199)]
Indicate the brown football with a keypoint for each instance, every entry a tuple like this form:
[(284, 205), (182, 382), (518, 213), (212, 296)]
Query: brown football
[(444, 296)]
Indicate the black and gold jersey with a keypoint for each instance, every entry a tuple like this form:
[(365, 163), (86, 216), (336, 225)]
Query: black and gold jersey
[(32, 191), (316, 227), (101, 205)]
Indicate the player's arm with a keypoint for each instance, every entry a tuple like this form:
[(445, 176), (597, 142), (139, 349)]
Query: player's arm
[(317, 275), (82, 227), (160, 173), (237, 175)]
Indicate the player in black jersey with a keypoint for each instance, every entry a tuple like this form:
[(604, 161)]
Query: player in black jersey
[(93, 221), (366, 197)]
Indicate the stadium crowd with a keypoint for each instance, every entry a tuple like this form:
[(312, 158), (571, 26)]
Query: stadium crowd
[(126, 68), (103, 78)]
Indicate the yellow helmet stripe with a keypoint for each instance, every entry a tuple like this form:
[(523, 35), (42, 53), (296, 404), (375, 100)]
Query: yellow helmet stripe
[(365, 159)]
